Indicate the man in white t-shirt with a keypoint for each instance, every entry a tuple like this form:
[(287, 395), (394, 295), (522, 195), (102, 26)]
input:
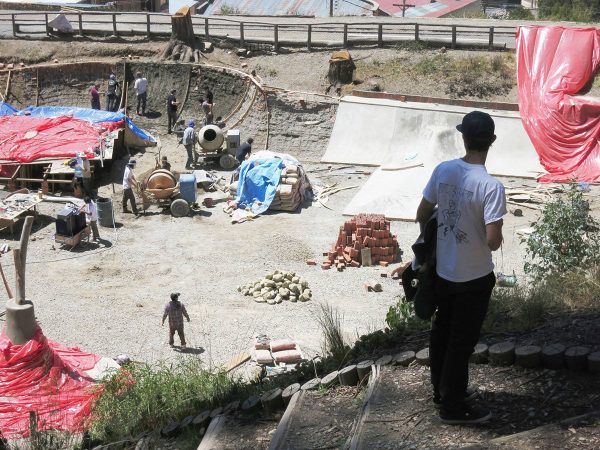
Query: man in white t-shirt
[(471, 204), (129, 181), (141, 90)]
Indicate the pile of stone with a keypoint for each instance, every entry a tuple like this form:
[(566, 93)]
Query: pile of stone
[(288, 196), (363, 240), (277, 287)]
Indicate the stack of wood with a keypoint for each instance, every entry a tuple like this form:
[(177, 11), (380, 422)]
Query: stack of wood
[(288, 196), (363, 240)]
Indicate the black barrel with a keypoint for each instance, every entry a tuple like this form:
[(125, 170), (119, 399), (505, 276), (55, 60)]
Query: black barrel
[(105, 212)]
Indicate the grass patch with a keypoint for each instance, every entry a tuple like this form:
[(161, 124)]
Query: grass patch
[(413, 46), (228, 10), (144, 397), (334, 342)]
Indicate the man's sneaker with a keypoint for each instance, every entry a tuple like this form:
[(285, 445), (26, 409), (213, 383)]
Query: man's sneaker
[(467, 415), (470, 395)]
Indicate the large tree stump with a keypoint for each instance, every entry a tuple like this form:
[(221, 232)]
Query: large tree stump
[(182, 45), (341, 70)]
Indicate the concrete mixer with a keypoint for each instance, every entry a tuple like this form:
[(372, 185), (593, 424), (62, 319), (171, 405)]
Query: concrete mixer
[(215, 147), (161, 187)]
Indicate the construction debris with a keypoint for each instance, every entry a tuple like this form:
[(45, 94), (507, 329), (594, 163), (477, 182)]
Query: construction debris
[(363, 240), (288, 196), (276, 287)]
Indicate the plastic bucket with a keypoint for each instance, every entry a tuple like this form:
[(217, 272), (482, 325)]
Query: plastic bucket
[(105, 211)]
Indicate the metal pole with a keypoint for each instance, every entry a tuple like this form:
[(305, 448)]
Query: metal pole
[(416, 31), (241, 34), (453, 36), (403, 7), (309, 39), (330, 8), (276, 37), (491, 42), (380, 35)]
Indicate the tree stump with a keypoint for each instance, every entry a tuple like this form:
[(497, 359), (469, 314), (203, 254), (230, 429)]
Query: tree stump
[(553, 356), (215, 412), (528, 356), (289, 392), (251, 404), (502, 354), (422, 357), (593, 362), (329, 380), (202, 419), (311, 385), (576, 357), (341, 70), (363, 368), (272, 400), (348, 376), (231, 406), (404, 358), (170, 430), (384, 360), (480, 354), (182, 45), (186, 422)]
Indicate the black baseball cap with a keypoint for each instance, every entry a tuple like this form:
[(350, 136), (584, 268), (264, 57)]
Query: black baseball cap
[(477, 125)]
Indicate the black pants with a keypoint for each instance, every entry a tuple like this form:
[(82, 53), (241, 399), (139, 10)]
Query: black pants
[(179, 331), (111, 102), (172, 119), (128, 195), (454, 332), (141, 101)]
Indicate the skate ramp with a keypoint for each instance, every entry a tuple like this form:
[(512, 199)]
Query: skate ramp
[(406, 141)]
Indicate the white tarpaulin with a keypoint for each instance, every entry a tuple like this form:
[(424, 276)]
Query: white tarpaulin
[(62, 24)]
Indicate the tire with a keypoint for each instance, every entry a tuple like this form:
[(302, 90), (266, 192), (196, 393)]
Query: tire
[(227, 162), (180, 208)]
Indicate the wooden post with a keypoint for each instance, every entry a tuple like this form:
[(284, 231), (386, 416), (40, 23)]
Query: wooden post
[(114, 18), (206, 34), (380, 35), (345, 45), (309, 38), (453, 36), (80, 19), (241, 34), (276, 37), (491, 41), (47, 27), (416, 31), (19, 279), (148, 36), (14, 25)]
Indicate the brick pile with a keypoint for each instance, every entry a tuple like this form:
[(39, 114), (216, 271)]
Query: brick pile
[(288, 197), (370, 231)]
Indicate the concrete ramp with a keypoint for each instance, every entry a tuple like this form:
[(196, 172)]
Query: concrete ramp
[(407, 140)]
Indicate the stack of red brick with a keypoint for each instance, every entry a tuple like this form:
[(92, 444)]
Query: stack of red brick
[(370, 231)]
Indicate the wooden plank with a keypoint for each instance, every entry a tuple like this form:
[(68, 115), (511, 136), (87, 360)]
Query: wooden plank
[(354, 439), (237, 361), (279, 438), (210, 441)]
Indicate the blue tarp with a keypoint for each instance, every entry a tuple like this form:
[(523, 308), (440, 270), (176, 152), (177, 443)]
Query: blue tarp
[(258, 183), (6, 109), (91, 115)]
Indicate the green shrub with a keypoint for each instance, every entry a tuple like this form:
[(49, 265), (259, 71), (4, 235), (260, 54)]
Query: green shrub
[(566, 238), (401, 318), (520, 13), (143, 397), (413, 46), (572, 10)]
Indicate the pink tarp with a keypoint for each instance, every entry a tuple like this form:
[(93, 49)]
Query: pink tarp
[(555, 66), (24, 139), (48, 378)]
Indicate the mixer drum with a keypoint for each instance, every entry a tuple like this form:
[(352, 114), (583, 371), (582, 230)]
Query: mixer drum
[(161, 179), (211, 138)]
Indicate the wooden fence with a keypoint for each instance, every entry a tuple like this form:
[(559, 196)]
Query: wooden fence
[(299, 34)]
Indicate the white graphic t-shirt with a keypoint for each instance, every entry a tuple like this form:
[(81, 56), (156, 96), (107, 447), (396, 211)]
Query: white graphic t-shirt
[(468, 199)]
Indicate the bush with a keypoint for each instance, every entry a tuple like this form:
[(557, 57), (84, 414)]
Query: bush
[(142, 397), (401, 318), (334, 342), (566, 238), (413, 46), (572, 10), (520, 13)]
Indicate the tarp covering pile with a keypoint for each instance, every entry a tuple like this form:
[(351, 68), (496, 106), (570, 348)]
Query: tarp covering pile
[(61, 132), (48, 378), (555, 66), (258, 182)]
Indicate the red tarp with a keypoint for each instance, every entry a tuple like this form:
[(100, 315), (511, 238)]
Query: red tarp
[(554, 65), (25, 139), (45, 377)]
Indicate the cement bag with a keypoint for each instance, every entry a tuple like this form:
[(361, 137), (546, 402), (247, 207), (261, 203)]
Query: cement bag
[(62, 24), (287, 356), (262, 356), (282, 344)]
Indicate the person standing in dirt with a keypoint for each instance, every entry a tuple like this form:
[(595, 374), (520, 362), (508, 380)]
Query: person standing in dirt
[(243, 152), (172, 110), (141, 92), (207, 108), (91, 212), (95, 96), (189, 142), (175, 311), (111, 92), (209, 95), (129, 182), (471, 204)]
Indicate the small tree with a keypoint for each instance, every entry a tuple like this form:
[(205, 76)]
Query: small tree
[(566, 238)]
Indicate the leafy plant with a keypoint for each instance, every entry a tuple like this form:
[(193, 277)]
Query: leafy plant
[(566, 238), (520, 13), (401, 317), (228, 10)]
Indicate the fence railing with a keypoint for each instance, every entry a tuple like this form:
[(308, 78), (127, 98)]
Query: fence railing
[(314, 34)]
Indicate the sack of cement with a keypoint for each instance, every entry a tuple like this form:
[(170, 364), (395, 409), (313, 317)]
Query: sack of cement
[(61, 23)]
